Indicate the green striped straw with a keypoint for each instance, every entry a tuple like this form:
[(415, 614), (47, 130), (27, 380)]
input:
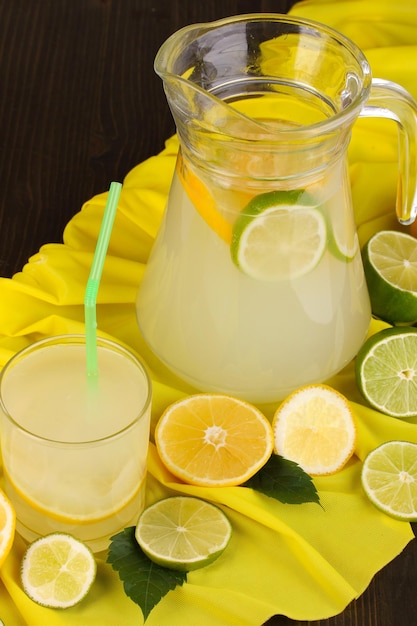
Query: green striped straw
[(93, 283)]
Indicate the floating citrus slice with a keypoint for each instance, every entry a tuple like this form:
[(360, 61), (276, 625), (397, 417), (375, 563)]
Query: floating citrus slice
[(57, 570), (389, 478), (183, 533), (315, 428), (203, 202), (386, 371), (343, 238), (213, 440), (279, 235)]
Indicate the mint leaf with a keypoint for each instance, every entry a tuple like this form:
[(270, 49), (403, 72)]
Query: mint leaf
[(285, 481), (145, 582)]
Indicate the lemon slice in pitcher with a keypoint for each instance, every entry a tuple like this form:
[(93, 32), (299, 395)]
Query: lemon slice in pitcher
[(280, 235)]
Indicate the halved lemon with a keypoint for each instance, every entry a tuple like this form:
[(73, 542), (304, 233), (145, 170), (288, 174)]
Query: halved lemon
[(213, 440), (315, 428)]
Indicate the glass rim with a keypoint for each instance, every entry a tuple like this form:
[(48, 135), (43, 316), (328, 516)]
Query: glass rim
[(76, 339)]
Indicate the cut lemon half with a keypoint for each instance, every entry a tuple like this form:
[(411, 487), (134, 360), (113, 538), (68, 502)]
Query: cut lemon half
[(386, 371), (315, 428), (279, 236), (390, 264), (389, 478), (213, 440), (183, 533), (57, 570), (7, 526)]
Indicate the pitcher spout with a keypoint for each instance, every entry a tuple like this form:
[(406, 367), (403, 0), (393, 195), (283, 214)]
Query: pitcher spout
[(244, 86)]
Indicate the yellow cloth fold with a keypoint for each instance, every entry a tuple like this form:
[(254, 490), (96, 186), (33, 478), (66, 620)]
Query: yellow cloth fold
[(304, 561)]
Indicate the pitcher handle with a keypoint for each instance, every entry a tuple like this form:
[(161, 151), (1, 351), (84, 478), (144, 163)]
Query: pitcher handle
[(391, 101)]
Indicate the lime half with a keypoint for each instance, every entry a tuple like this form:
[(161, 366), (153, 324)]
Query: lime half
[(57, 571), (390, 264), (279, 235), (183, 533), (389, 478), (386, 371)]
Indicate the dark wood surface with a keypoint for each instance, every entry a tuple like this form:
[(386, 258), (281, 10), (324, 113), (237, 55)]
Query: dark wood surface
[(80, 105)]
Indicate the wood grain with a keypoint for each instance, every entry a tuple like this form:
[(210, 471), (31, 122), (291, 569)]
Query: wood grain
[(80, 107)]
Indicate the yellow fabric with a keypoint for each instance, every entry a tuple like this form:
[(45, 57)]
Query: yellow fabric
[(303, 561)]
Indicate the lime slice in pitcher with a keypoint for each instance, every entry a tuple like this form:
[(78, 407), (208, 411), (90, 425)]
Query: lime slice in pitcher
[(279, 235), (343, 238)]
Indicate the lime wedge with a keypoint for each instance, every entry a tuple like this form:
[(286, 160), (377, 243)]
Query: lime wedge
[(280, 235), (389, 478), (183, 533), (57, 571), (386, 371), (390, 264)]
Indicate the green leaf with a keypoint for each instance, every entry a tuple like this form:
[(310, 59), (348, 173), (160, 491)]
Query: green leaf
[(145, 582), (285, 481)]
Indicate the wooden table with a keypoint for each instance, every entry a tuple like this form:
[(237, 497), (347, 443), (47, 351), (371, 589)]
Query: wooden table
[(81, 106)]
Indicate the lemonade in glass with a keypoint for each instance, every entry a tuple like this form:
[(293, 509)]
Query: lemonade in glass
[(74, 451)]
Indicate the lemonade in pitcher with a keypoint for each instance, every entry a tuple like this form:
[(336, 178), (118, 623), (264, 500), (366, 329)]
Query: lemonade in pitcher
[(255, 283), (229, 310)]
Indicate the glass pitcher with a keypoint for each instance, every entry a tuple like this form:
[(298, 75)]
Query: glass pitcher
[(255, 283)]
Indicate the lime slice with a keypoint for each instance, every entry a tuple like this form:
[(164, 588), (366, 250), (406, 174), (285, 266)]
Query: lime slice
[(183, 533), (57, 570), (343, 240), (386, 371), (279, 235), (390, 264), (389, 478)]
